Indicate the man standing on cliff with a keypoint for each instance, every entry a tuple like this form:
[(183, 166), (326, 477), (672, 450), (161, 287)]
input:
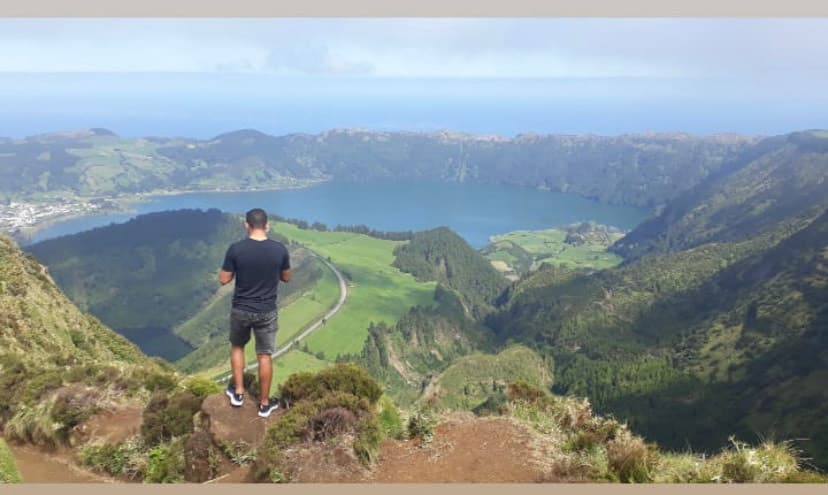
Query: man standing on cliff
[(258, 264)]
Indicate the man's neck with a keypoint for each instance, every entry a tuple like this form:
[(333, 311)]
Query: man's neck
[(257, 235)]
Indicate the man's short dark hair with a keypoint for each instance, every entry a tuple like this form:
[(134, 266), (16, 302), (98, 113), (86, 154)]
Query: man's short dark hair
[(256, 218)]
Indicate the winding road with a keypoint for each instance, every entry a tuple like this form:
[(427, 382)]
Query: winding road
[(343, 294)]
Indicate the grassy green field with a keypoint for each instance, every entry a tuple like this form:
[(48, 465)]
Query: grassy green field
[(377, 291), (8, 468), (525, 250)]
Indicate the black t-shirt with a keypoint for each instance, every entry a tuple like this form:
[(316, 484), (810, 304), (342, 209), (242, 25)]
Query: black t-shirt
[(257, 266)]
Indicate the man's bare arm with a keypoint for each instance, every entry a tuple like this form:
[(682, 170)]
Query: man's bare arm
[(285, 275), (225, 277)]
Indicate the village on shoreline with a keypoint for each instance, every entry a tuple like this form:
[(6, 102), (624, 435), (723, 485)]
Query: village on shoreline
[(18, 218)]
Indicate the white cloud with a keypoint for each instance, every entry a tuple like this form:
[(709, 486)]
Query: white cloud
[(449, 48)]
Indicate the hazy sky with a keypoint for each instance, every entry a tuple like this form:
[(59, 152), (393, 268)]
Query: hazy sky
[(780, 63)]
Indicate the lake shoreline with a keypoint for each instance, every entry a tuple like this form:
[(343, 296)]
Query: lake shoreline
[(475, 211)]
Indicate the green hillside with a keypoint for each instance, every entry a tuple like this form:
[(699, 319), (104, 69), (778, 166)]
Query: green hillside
[(772, 182), (125, 273), (58, 364)]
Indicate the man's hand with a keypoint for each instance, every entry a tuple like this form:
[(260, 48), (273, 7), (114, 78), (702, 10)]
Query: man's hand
[(285, 275), (225, 277)]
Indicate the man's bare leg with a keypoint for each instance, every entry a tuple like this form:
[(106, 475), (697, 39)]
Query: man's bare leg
[(265, 376), (237, 365)]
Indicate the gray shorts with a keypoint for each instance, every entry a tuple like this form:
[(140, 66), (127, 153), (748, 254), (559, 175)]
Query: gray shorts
[(263, 325)]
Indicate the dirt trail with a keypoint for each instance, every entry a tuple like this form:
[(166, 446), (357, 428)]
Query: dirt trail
[(112, 426), (480, 450), (37, 466)]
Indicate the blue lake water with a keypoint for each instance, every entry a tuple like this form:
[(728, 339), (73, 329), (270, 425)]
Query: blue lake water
[(475, 211)]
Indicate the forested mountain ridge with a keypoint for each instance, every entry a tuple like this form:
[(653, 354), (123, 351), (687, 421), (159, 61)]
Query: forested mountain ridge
[(443, 256), (694, 345), (644, 170), (775, 180)]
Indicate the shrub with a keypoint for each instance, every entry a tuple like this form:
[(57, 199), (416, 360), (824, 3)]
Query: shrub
[(296, 424), (331, 422), (39, 384), (421, 425), (522, 390), (130, 382), (341, 377), (683, 468), (592, 466), (335, 401), (310, 420), (32, 424), (166, 416), (389, 419), (368, 440), (537, 417), (80, 373), (239, 452), (159, 381), (495, 404), (548, 413), (13, 374), (596, 465), (770, 462), (201, 387), (631, 459), (570, 413), (111, 459), (165, 463), (201, 458), (596, 431)]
